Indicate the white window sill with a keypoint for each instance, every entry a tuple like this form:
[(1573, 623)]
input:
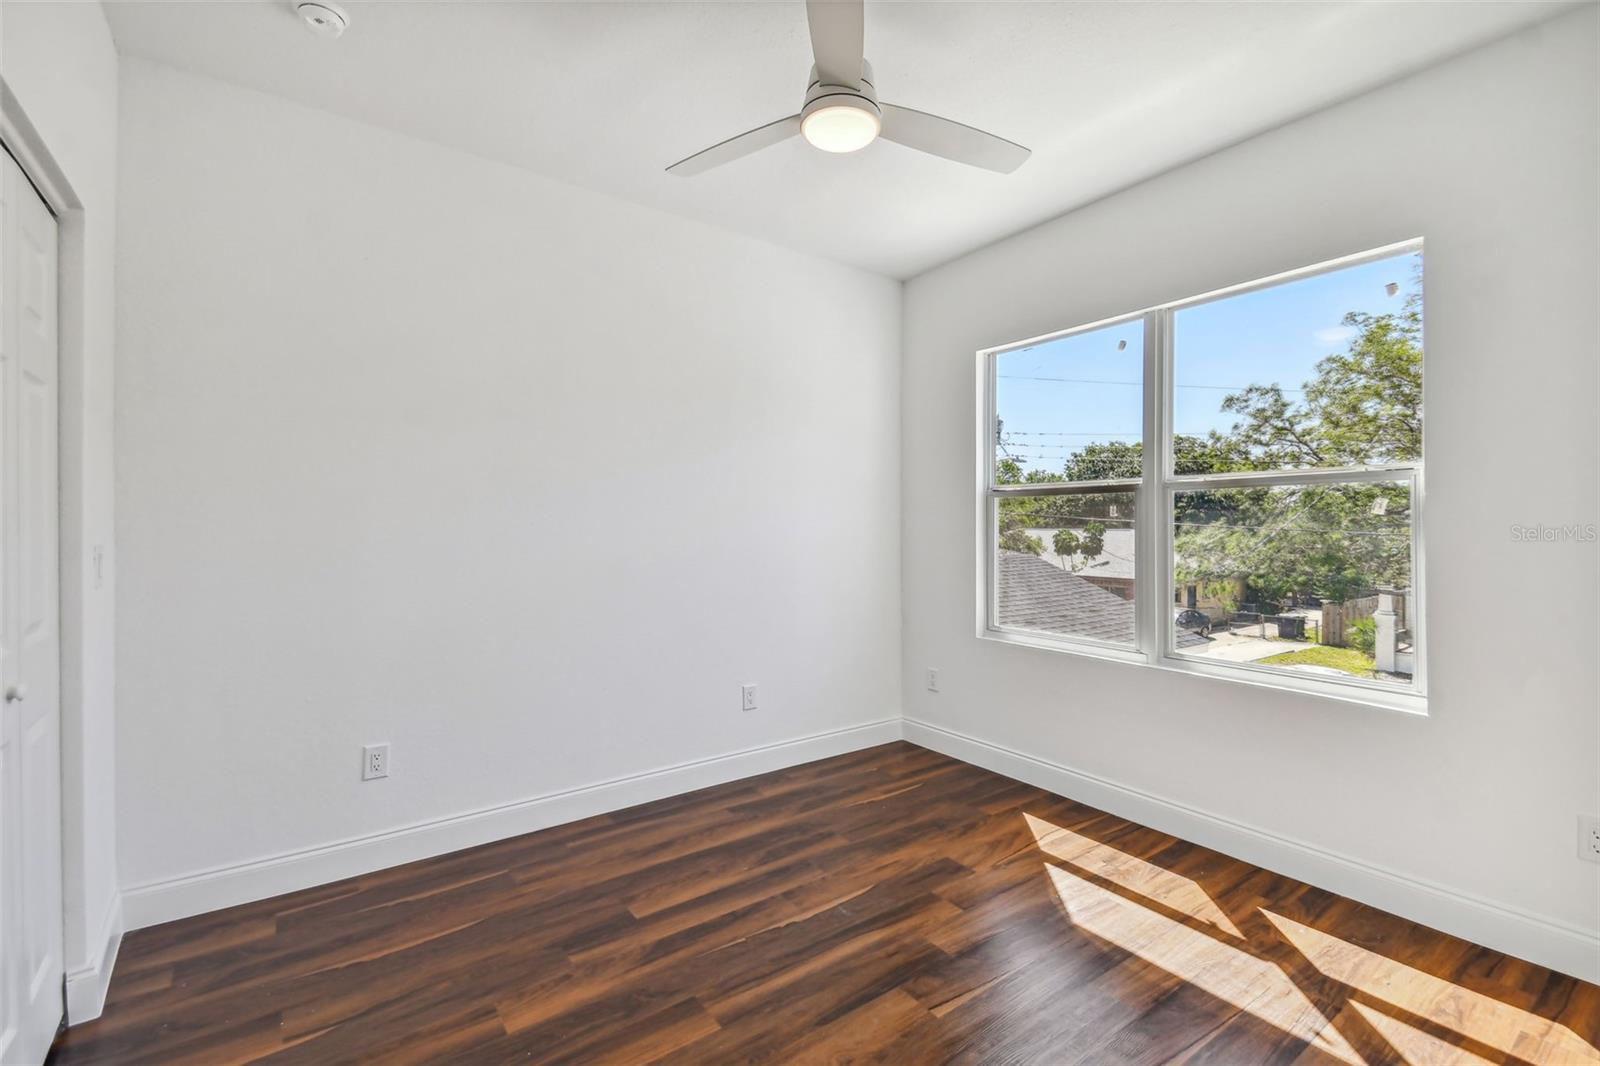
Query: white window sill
[(1406, 701)]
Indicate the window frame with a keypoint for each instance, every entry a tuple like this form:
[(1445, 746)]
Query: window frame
[(992, 493), (1155, 493)]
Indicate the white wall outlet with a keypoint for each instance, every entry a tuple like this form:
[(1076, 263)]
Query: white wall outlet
[(933, 680), (1589, 837), (374, 761), (747, 697)]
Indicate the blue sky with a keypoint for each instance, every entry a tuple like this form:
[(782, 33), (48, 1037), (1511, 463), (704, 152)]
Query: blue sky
[(1055, 397)]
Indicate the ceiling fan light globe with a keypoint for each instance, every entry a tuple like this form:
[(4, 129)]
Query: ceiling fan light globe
[(839, 128)]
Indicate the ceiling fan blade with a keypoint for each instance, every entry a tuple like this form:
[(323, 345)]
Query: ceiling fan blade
[(837, 40), (943, 137), (737, 147)]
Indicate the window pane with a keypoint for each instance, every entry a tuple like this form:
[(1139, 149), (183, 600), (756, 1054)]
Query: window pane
[(1071, 409), (1065, 565), (1314, 579), (1324, 371)]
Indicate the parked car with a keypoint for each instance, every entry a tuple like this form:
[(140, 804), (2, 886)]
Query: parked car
[(1194, 621)]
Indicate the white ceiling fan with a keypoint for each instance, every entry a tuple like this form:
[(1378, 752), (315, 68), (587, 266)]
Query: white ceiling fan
[(842, 112)]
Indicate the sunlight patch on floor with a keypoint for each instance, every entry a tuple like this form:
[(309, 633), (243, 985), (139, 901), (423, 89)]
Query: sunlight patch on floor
[(1502, 1026), (1414, 1045), (1219, 969), (1171, 890)]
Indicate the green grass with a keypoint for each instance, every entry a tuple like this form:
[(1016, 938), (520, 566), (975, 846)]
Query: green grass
[(1349, 660)]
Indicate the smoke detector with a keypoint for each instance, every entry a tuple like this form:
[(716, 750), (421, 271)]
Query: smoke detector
[(322, 18)]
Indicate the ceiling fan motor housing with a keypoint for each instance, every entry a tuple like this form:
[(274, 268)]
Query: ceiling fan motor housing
[(841, 113), (820, 95)]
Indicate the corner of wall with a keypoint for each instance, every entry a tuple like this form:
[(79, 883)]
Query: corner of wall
[(1529, 936), (87, 984)]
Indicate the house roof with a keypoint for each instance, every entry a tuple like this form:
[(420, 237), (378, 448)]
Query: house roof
[(1037, 594)]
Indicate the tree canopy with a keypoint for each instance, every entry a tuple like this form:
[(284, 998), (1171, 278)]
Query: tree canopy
[(1363, 407)]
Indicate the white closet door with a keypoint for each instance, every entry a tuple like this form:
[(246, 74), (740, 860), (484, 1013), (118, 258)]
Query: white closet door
[(30, 673)]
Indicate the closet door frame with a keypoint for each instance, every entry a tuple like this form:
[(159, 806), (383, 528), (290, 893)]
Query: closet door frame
[(32, 926), (92, 913)]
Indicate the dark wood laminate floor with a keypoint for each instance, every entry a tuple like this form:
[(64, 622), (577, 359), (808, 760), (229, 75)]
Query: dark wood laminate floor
[(890, 905)]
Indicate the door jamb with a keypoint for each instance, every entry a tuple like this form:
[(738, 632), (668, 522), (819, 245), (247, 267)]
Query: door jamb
[(23, 142)]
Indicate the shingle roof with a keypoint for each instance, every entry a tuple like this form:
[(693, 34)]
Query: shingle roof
[(1035, 594)]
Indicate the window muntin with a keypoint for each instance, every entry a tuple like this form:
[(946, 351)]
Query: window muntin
[(1357, 402), (1065, 440)]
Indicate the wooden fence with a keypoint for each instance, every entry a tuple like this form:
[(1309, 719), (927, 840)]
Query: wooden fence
[(1337, 617)]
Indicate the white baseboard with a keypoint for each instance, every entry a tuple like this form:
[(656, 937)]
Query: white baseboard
[(1561, 947), (208, 890), (86, 985)]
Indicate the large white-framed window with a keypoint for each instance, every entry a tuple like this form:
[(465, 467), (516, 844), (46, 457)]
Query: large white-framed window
[(1229, 484)]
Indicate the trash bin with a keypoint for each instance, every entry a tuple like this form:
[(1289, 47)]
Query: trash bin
[(1292, 626)]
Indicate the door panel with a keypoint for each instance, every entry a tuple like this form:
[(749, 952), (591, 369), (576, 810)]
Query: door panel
[(30, 722)]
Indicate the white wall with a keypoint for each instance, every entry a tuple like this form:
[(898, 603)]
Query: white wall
[(59, 64), (524, 480), (1492, 159), (369, 389)]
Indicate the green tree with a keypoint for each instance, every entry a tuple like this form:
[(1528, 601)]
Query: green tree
[(1362, 635), (1224, 592), (1094, 540), (1103, 461), (1066, 545), (1327, 540), (1020, 540), (1363, 407)]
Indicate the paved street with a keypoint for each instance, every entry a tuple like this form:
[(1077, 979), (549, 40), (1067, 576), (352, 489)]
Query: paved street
[(1246, 647)]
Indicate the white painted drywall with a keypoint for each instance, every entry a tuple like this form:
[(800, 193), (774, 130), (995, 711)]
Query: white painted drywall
[(524, 480), (1492, 159), (59, 62)]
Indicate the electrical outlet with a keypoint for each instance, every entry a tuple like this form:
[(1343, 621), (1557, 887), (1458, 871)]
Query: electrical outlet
[(374, 761), (1589, 838), (933, 680), (747, 696)]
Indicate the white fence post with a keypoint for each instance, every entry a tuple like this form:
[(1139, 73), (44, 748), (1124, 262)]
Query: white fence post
[(1388, 632)]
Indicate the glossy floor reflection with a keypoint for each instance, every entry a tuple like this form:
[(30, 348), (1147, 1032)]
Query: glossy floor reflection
[(1397, 1011)]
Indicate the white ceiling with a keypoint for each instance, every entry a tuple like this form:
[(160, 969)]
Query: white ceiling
[(605, 95)]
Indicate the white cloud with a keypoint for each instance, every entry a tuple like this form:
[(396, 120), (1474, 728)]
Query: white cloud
[(1335, 334)]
